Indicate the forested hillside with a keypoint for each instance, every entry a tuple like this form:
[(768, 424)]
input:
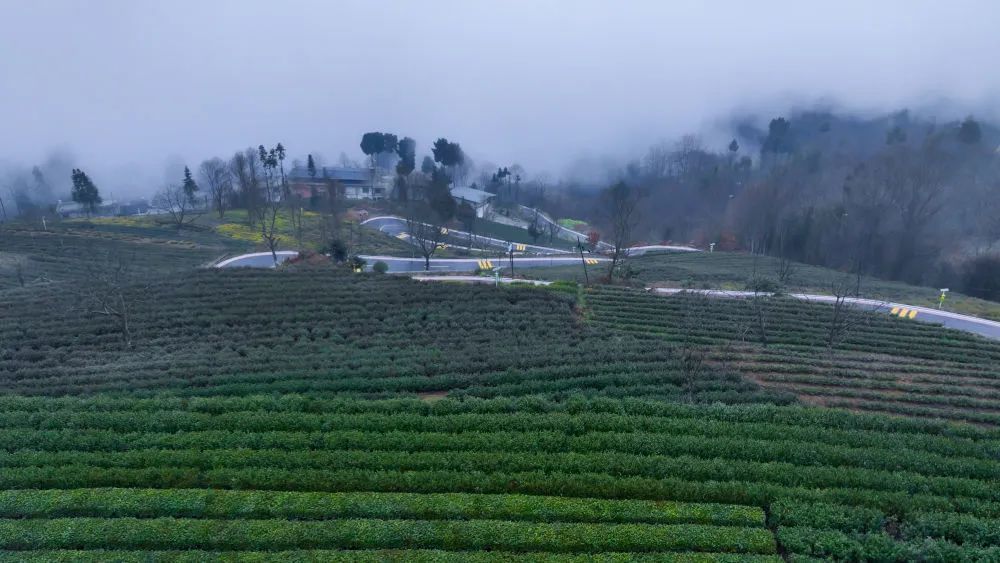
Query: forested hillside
[(901, 196)]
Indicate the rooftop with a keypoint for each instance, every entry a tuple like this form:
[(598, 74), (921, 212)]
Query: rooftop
[(336, 173), (472, 195)]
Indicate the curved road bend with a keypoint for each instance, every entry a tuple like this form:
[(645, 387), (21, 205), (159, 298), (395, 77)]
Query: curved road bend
[(396, 226), (416, 265), (256, 260), (397, 264)]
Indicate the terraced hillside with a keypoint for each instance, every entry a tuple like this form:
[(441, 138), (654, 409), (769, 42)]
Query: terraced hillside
[(73, 250), (316, 414), (265, 475), (733, 270), (879, 362), (224, 332)]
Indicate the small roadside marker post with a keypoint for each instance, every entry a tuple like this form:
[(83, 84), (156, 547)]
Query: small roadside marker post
[(496, 276), (711, 247), (944, 292)]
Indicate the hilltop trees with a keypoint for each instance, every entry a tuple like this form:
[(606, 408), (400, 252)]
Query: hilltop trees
[(178, 202), (779, 138), (189, 186), (969, 131), (426, 220), (448, 154), (427, 165), (275, 184), (216, 175), (311, 166), (85, 192), (406, 149), (244, 168), (376, 146)]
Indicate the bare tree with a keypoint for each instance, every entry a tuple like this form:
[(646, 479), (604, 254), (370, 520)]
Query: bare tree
[(215, 174), (691, 354), (110, 290), (619, 205), (553, 229), (244, 168), (426, 231), (173, 202), (915, 182), (656, 163), (785, 266), (846, 314), (895, 197), (758, 305)]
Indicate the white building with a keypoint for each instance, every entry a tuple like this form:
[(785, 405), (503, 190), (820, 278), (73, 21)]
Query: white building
[(478, 199)]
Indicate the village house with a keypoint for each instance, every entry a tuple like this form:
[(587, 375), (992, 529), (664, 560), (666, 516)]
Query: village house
[(479, 200), (347, 183)]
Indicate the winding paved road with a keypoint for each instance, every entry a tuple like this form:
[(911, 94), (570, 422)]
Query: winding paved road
[(256, 260), (406, 265), (396, 226), (397, 264)]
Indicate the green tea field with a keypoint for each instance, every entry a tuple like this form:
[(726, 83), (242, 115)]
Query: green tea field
[(314, 414)]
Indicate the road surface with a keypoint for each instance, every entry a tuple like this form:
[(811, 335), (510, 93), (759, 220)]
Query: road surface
[(569, 234), (404, 265), (396, 226), (256, 260), (604, 246), (397, 264), (640, 250)]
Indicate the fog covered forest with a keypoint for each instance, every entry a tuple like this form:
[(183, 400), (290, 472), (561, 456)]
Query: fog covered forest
[(899, 196)]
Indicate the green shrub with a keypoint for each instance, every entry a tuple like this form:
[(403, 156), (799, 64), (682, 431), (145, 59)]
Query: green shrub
[(763, 285), (181, 533), (829, 516)]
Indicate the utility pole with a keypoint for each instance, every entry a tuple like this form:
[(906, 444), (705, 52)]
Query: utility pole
[(579, 246), (510, 249)]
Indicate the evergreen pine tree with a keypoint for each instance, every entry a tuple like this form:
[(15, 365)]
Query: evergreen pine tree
[(189, 185)]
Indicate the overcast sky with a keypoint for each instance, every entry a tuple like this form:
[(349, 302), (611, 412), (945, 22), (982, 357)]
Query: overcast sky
[(132, 84)]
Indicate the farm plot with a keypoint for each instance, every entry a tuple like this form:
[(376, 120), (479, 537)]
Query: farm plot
[(242, 332), (732, 270), (880, 364), (73, 251), (259, 476)]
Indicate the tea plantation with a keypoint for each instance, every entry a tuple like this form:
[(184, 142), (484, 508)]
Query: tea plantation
[(732, 270), (70, 251), (319, 415)]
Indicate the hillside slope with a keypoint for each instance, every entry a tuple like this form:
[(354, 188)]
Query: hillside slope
[(316, 414)]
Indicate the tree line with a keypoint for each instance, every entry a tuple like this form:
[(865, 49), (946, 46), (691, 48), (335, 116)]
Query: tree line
[(895, 197)]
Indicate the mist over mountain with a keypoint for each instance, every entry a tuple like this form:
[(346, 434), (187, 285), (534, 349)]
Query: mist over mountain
[(128, 86)]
